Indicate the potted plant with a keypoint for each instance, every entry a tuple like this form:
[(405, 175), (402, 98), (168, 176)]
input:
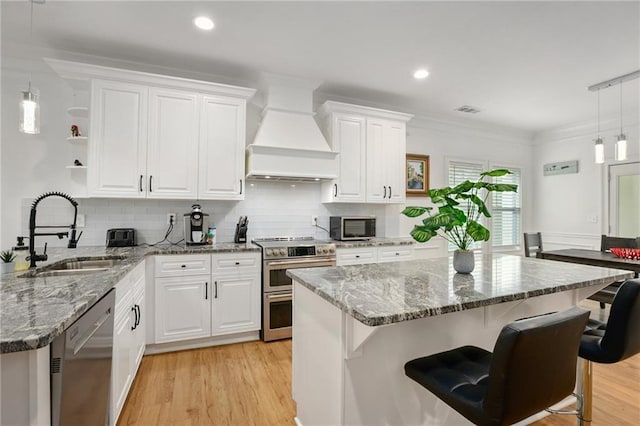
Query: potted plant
[(7, 257), (458, 214)]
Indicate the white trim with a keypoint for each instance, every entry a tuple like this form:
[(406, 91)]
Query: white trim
[(345, 108), (83, 72), (585, 129)]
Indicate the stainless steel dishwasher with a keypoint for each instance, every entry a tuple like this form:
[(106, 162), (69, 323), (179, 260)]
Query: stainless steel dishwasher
[(81, 367)]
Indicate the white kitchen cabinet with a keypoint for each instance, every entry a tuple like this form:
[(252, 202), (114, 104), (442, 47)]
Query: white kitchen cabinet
[(118, 149), (172, 149), (372, 149), (222, 146), (395, 253), (222, 301), (365, 255), (159, 136), (347, 135), (128, 337), (236, 303), (356, 256), (386, 153), (183, 308)]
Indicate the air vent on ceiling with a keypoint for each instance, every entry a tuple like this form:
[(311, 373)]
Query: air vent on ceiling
[(469, 109)]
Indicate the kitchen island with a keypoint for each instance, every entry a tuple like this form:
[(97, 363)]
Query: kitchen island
[(355, 327)]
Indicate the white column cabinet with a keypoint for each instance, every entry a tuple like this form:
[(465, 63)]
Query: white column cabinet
[(117, 153), (128, 337), (372, 150), (172, 151), (222, 145)]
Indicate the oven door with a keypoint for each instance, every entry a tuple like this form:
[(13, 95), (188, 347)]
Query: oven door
[(278, 310), (275, 272)]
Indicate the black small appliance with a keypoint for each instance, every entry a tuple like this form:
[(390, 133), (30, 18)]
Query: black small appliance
[(241, 230), (196, 225), (121, 237)]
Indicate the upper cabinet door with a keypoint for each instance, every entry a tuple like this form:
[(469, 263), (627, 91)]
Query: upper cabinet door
[(349, 139), (377, 185), (117, 152), (395, 157), (222, 145), (172, 151)]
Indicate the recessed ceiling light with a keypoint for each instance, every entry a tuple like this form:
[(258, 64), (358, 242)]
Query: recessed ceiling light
[(421, 73), (203, 23)]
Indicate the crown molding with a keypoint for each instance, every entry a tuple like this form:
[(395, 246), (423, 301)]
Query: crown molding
[(609, 125)]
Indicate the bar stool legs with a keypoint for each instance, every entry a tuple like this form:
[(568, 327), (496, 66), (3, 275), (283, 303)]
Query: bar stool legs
[(586, 393)]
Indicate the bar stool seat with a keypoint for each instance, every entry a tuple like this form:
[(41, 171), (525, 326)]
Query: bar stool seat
[(612, 342), (533, 366)]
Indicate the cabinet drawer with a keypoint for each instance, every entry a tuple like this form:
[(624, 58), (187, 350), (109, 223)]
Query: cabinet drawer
[(235, 262), (395, 253), (358, 256), (182, 265)]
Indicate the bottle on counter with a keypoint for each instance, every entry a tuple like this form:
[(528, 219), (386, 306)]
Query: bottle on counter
[(22, 253), (211, 235)]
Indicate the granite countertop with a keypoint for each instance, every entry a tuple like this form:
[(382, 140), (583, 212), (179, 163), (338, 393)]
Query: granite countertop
[(385, 293), (34, 311), (375, 242)]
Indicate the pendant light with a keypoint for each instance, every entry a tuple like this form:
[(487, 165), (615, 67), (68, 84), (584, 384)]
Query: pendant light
[(599, 147), (29, 103), (621, 143)]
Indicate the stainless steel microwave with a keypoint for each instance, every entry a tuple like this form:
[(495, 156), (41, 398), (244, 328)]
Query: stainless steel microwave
[(344, 228)]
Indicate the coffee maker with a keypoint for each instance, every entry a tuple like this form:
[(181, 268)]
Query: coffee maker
[(196, 225)]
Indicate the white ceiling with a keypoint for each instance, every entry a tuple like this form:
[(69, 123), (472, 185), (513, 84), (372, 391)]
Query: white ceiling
[(523, 64)]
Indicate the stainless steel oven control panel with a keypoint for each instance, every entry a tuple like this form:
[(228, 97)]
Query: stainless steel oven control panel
[(300, 251)]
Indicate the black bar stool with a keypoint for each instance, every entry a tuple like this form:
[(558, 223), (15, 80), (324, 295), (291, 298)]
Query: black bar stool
[(612, 342), (533, 366)]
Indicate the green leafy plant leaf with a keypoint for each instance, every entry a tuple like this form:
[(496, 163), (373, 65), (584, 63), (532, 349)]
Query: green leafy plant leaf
[(414, 211), (496, 173), (422, 234), (477, 231)]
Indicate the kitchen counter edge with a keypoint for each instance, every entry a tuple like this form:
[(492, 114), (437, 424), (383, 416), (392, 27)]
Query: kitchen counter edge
[(83, 291)]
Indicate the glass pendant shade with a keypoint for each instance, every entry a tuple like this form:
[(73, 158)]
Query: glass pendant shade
[(599, 150), (621, 147), (30, 112)]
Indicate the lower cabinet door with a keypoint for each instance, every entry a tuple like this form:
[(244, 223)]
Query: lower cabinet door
[(236, 304), (121, 372), (183, 308), (139, 331)]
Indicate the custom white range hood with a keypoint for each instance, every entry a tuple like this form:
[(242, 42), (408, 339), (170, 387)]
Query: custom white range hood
[(289, 144)]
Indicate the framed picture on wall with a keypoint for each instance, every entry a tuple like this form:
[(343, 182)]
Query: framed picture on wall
[(417, 175)]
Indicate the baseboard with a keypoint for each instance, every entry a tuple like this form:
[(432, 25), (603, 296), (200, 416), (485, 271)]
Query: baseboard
[(201, 343)]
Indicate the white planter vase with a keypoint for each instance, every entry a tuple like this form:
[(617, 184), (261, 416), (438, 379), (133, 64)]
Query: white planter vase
[(463, 261), (7, 267)]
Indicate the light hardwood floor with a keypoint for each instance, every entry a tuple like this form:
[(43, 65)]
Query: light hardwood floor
[(250, 384)]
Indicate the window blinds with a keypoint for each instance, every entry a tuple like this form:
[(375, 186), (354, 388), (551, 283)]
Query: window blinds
[(505, 211), (505, 223)]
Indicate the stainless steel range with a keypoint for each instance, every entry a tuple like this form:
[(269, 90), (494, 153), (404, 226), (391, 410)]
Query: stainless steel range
[(278, 255)]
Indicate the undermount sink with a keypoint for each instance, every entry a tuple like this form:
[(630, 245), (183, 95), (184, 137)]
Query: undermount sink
[(75, 267)]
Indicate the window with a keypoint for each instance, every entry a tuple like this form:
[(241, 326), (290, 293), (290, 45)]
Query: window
[(505, 212), (505, 223)]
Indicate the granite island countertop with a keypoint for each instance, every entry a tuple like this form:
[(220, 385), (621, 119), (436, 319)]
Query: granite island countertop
[(385, 293), (34, 311)]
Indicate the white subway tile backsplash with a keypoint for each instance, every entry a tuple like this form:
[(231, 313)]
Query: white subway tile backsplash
[(273, 208)]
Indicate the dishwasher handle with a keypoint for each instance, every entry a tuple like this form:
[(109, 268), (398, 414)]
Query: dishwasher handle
[(96, 325)]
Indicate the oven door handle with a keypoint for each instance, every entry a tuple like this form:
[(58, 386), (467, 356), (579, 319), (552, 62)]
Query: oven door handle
[(327, 262), (279, 296)]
